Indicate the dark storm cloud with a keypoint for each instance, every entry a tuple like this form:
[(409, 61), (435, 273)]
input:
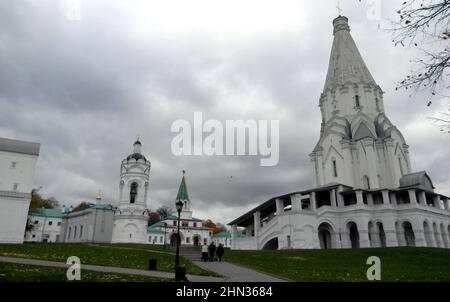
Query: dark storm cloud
[(85, 89)]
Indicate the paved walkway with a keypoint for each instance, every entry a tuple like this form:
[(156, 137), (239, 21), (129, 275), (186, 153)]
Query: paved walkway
[(108, 269), (230, 272), (235, 273)]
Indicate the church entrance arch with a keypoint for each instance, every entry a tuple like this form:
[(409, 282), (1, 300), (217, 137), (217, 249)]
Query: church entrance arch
[(196, 240), (325, 234), (173, 239)]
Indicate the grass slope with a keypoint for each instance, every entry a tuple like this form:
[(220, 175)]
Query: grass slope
[(397, 264), (131, 256), (29, 273)]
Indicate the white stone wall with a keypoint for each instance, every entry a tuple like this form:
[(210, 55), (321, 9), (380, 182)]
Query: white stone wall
[(16, 183), (44, 227)]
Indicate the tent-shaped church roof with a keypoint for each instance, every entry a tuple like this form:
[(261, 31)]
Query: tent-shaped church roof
[(182, 191)]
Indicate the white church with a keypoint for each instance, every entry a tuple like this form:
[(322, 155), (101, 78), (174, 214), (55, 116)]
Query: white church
[(131, 216), (366, 193)]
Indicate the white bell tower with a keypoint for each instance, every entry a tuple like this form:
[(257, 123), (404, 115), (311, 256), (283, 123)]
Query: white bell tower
[(131, 217)]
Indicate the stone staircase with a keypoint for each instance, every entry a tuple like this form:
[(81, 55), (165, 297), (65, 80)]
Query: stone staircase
[(190, 253)]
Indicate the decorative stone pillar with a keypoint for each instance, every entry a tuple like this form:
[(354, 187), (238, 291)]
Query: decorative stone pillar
[(391, 238), (419, 236), (422, 198), (296, 202), (438, 237), (436, 202), (393, 198), (340, 198), (257, 222), (446, 204), (333, 198), (359, 197), (279, 205), (364, 238), (385, 194), (369, 199), (313, 201), (412, 196)]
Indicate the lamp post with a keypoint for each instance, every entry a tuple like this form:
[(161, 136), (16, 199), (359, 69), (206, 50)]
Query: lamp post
[(179, 206)]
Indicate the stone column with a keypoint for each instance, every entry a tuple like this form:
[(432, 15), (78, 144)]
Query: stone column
[(364, 238), (280, 206), (419, 235), (313, 201), (359, 197), (333, 198), (257, 222), (369, 199), (438, 237), (296, 202), (393, 198), (391, 238), (422, 198), (436, 202), (446, 204), (340, 199), (385, 194), (412, 196)]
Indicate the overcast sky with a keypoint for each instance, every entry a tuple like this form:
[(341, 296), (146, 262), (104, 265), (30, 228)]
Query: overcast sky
[(86, 88)]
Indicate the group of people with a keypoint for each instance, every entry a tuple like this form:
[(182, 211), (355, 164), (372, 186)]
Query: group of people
[(210, 252)]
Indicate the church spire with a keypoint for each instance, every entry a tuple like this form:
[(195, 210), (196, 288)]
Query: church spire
[(346, 64), (182, 191)]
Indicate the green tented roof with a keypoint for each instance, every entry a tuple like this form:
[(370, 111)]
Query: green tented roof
[(182, 191), (152, 229), (43, 212)]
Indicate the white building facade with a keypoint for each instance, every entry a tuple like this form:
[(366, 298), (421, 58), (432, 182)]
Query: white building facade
[(131, 216), (17, 168), (365, 194), (91, 224), (45, 226)]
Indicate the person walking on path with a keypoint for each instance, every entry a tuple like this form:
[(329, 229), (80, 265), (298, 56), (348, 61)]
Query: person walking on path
[(212, 251), (220, 252), (204, 252)]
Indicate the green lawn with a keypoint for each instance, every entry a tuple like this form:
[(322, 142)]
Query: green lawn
[(130, 256), (397, 264), (29, 273)]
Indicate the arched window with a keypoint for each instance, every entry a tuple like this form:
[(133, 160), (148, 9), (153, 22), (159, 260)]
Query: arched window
[(133, 192), (357, 104), (75, 233), (334, 168), (366, 182), (380, 181), (81, 231), (68, 235)]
